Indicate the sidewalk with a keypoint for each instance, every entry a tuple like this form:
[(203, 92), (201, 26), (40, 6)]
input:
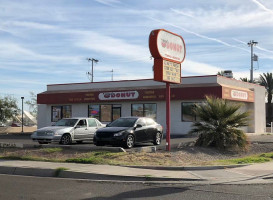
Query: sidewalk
[(251, 174)]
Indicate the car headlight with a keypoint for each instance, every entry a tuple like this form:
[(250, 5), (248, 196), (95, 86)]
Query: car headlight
[(57, 133), (119, 134)]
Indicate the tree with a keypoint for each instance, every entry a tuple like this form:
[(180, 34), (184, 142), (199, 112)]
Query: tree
[(266, 80), (245, 79), (8, 108), (221, 73), (32, 103), (219, 123)]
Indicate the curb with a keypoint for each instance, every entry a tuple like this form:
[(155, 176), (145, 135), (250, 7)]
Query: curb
[(190, 168), (83, 175), (91, 148)]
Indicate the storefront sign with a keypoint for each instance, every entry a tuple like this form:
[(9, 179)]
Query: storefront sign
[(167, 45), (239, 94), (168, 50), (118, 95)]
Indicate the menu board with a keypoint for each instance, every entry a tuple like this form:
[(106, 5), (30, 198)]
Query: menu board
[(171, 72)]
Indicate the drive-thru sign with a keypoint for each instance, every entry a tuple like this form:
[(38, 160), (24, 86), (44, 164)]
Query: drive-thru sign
[(168, 50)]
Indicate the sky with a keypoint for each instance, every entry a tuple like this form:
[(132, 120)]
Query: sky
[(49, 41)]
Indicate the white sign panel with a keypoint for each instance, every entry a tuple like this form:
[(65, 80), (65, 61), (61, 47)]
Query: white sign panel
[(239, 94), (170, 46), (118, 95)]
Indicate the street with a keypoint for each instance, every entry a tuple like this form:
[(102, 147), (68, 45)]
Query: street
[(23, 187)]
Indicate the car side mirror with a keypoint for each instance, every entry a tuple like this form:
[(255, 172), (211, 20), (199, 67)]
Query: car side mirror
[(78, 126), (138, 126), (107, 125)]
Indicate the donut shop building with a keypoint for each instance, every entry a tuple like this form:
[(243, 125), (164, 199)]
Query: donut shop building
[(110, 100)]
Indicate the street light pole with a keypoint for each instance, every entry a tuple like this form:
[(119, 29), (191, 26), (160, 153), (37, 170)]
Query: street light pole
[(22, 114)]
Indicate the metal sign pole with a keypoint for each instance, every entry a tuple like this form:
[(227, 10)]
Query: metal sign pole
[(168, 117)]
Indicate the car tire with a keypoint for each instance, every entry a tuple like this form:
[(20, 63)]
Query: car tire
[(66, 139), (129, 142), (157, 139)]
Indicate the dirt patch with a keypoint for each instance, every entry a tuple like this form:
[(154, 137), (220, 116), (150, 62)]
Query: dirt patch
[(187, 155)]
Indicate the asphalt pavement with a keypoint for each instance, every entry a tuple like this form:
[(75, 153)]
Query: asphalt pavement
[(41, 188)]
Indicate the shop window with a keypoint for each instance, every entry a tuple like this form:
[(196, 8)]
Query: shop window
[(144, 110), (94, 111), (59, 112), (104, 113), (187, 112)]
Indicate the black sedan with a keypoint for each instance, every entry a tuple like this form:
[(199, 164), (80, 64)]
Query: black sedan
[(127, 131)]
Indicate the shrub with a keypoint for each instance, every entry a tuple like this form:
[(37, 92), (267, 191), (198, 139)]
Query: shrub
[(219, 123)]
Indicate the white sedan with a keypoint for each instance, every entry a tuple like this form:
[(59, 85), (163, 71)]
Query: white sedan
[(68, 130)]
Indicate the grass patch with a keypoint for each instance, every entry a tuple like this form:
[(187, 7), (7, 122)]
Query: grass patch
[(260, 158), (28, 158), (59, 170), (101, 157), (52, 150)]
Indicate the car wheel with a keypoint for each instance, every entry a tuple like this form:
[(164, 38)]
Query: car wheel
[(130, 141), (66, 139), (157, 140)]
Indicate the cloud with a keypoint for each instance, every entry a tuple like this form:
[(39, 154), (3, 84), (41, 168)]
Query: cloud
[(192, 67), (28, 24), (108, 2), (110, 45), (9, 50), (263, 6), (200, 35)]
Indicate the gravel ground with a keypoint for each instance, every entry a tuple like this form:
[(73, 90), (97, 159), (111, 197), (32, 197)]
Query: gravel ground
[(186, 154)]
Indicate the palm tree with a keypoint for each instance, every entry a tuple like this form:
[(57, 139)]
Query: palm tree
[(266, 80), (219, 123), (244, 79), (221, 73)]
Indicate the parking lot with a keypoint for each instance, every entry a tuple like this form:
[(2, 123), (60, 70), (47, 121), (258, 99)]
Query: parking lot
[(25, 139)]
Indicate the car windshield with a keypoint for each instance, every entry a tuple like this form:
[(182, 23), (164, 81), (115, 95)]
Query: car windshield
[(66, 122), (123, 122)]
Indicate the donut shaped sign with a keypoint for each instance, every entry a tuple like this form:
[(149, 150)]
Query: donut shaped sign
[(167, 45)]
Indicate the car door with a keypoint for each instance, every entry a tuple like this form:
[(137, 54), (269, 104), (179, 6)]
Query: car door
[(151, 129), (93, 125), (140, 132), (81, 130)]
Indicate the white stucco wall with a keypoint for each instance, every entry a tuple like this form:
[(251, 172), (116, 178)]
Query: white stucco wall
[(257, 124), (177, 126)]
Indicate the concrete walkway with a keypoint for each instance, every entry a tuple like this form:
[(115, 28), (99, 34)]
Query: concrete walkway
[(251, 174)]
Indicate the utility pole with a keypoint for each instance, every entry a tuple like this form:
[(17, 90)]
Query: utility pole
[(251, 44), (22, 114), (92, 71)]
